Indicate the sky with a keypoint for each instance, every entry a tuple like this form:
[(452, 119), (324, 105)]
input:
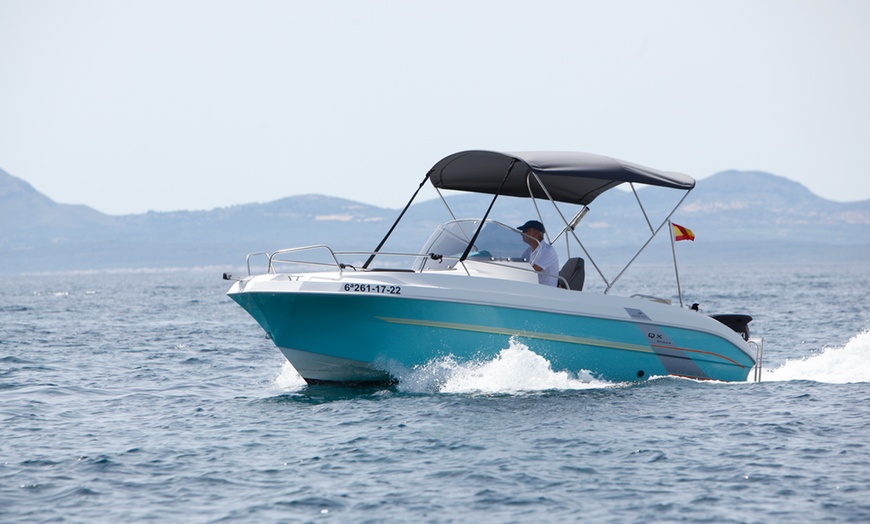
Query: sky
[(143, 105)]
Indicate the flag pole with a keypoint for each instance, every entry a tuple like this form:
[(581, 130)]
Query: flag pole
[(676, 270)]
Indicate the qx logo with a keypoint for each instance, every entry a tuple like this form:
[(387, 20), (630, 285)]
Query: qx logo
[(656, 336), (653, 333)]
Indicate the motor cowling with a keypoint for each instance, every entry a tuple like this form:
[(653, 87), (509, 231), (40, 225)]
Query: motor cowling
[(738, 323)]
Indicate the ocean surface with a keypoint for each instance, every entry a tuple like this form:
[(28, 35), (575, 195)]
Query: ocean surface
[(135, 396)]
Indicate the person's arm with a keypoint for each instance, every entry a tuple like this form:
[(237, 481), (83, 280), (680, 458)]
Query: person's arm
[(533, 257)]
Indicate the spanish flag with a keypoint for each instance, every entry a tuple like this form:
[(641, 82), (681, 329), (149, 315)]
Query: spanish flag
[(682, 233)]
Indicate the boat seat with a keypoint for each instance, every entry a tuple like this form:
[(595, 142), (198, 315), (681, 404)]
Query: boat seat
[(574, 272)]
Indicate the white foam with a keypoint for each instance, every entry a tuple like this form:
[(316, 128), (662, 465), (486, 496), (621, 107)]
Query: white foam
[(516, 369), (288, 378), (835, 365)]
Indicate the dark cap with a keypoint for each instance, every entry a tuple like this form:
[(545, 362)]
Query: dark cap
[(532, 224)]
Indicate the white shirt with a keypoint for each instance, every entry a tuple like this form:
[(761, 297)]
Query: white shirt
[(545, 257)]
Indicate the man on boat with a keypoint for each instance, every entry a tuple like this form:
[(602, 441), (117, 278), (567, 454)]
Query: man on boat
[(540, 254)]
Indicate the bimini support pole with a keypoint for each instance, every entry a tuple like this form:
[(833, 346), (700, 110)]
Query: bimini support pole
[(655, 233), (486, 215), (390, 232), (674, 251), (569, 226)]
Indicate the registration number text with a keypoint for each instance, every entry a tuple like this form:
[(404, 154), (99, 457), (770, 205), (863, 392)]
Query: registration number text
[(373, 288)]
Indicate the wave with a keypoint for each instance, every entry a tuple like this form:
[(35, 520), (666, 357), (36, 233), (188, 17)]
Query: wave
[(835, 365), (516, 369), (289, 379)]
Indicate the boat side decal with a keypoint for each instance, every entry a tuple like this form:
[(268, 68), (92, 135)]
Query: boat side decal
[(675, 359), (519, 333), (702, 352)]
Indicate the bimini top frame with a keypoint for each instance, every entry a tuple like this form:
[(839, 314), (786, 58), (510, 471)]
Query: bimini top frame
[(574, 178), (557, 176)]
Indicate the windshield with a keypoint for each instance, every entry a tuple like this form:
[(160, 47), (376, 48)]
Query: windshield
[(496, 242)]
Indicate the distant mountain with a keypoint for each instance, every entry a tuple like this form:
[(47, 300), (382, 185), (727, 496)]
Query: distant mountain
[(28, 217), (747, 205), (737, 209)]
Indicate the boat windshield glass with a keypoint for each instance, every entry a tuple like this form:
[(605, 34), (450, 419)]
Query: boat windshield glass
[(495, 243)]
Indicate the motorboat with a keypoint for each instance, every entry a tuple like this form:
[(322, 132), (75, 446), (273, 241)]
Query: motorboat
[(356, 317)]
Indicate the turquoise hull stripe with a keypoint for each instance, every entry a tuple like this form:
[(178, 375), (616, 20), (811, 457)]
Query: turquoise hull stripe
[(412, 332)]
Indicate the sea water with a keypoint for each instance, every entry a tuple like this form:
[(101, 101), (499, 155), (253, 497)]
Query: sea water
[(150, 396)]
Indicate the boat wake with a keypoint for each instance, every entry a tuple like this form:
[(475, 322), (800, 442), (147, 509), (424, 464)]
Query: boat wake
[(835, 365), (289, 379), (516, 369)]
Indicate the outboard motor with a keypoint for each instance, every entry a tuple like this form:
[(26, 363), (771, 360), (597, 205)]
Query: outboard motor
[(738, 323)]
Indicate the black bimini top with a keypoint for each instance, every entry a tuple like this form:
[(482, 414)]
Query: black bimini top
[(576, 178)]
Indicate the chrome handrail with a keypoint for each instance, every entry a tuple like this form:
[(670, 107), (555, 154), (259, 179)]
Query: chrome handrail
[(272, 260), (335, 255), (758, 343), (248, 259)]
